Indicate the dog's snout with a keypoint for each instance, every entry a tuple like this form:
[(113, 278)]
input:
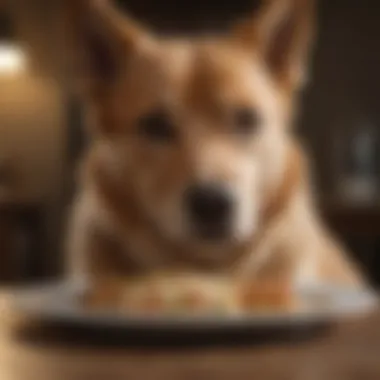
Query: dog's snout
[(209, 206)]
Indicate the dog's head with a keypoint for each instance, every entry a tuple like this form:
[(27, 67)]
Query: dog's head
[(195, 128)]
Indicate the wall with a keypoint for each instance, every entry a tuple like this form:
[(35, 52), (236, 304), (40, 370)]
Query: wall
[(32, 134)]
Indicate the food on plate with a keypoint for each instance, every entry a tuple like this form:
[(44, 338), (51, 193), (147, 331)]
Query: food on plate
[(267, 296), (192, 294)]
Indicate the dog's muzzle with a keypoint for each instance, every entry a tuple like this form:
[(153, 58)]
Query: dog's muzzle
[(209, 209)]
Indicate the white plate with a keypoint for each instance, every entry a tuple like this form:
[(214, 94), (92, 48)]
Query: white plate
[(61, 303)]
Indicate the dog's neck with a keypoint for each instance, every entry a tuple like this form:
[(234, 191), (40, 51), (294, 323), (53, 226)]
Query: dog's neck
[(141, 239)]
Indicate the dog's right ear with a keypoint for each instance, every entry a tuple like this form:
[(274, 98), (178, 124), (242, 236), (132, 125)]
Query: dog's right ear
[(281, 32), (100, 41)]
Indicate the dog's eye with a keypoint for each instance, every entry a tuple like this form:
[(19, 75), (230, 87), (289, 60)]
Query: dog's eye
[(157, 126), (246, 120)]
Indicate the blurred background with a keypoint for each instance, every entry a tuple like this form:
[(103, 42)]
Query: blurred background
[(41, 134)]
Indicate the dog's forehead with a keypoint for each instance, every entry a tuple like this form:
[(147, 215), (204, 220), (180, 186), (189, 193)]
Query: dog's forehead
[(201, 70), (208, 59), (195, 77), (223, 74)]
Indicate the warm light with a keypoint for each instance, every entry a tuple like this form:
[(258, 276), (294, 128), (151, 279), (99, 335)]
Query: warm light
[(12, 59)]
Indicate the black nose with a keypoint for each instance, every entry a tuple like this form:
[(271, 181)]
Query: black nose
[(209, 205)]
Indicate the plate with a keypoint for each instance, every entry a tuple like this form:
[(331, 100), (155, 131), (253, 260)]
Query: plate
[(60, 302)]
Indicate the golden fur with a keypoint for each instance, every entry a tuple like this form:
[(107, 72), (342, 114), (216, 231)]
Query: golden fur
[(127, 217)]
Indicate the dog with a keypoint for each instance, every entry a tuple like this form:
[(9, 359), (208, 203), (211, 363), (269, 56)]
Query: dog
[(192, 162)]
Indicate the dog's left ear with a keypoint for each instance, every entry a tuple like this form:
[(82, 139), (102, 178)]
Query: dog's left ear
[(100, 42), (281, 33)]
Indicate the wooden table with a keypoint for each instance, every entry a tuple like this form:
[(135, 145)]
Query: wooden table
[(349, 351)]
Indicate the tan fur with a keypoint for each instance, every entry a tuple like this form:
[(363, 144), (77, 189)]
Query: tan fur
[(127, 217)]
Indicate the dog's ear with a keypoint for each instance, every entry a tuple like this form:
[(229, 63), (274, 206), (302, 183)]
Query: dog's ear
[(281, 32), (100, 40)]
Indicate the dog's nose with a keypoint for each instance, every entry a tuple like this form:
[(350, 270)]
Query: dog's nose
[(209, 205)]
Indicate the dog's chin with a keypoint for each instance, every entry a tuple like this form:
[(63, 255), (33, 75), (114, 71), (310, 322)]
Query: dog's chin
[(218, 236), (208, 236)]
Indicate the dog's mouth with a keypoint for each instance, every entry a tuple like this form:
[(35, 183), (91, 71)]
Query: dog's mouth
[(212, 232)]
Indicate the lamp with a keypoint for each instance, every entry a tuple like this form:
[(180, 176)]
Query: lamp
[(12, 57)]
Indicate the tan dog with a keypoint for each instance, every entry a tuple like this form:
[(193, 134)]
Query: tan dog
[(193, 164)]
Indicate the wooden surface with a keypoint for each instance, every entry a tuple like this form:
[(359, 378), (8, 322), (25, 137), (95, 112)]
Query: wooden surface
[(351, 350)]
